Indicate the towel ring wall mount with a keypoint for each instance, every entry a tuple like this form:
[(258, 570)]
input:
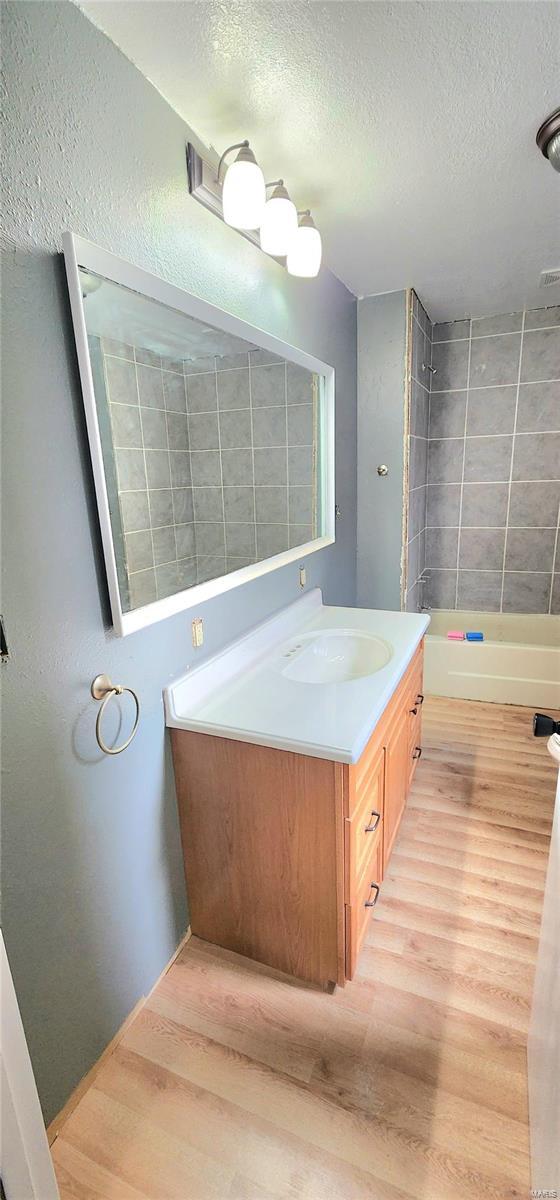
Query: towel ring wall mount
[(102, 689)]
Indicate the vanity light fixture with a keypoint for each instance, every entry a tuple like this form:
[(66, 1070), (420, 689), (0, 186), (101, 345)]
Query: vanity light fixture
[(548, 139), (240, 199), (243, 191), (304, 252), (280, 221)]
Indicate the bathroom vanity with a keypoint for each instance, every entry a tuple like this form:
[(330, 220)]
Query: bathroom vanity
[(294, 751)]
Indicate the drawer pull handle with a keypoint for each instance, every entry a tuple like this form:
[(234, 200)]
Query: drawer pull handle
[(371, 828), (413, 711), (417, 752), (372, 903), (419, 699)]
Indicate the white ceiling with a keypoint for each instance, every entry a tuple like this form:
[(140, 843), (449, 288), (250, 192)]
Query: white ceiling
[(409, 128)]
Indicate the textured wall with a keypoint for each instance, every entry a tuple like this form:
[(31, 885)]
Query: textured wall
[(494, 464), (421, 358), (94, 899), (381, 377)]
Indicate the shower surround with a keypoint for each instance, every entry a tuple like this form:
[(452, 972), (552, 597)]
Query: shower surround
[(493, 464)]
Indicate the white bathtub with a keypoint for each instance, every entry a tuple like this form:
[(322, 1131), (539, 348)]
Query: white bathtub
[(518, 662)]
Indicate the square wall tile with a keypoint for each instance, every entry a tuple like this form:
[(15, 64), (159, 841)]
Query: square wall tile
[(526, 593), (271, 504), (206, 468), (210, 538), (269, 426), (118, 349), (440, 589), (481, 590), (142, 588), (445, 460), (157, 468), (271, 539), (491, 410), (131, 470), (135, 513), (125, 426), (300, 464), (540, 318), (447, 331), (199, 366), (538, 407), (451, 362), (555, 605), (233, 389), (271, 466), (121, 381), (143, 355), (419, 410), (300, 534), (495, 360), (139, 552), (534, 504), (301, 505), (239, 503), (235, 429), (185, 540), (203, 431), (210, 567), (541, 355), (183, 508), (536, 456), (226, 361), (150, 387), (268, 385), (504, 323), (161, 508), (300, 425), (154, 428), (167, 580), (416, 512), (487, 459), (241, 540), (447, 414), (186, 570), (484, 504), (177, 431), (443, 504), (174, 393), (482, 549), (209, 504), (201, 393), (165, 549), (530, 549), (441, 548), (237, 467), (180, 464), (299, 384), (418, 462)]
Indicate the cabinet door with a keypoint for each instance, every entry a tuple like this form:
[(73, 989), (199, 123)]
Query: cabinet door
[(359, 912), (396, 779)]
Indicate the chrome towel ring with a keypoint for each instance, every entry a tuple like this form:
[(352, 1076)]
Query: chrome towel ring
[(102, 689)]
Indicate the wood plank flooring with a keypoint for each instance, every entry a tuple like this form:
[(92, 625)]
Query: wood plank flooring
[(238, 1083)]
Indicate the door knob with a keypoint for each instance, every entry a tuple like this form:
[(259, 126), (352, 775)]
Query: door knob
[(382, 469)]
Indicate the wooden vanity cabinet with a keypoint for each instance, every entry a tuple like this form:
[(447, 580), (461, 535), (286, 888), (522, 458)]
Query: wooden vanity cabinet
[(284, 853)]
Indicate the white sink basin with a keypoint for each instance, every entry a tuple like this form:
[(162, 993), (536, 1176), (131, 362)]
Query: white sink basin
[(333, 656)]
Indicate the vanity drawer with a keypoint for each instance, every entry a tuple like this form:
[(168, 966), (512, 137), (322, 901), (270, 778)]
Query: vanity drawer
[(364, 831), (359, 912)]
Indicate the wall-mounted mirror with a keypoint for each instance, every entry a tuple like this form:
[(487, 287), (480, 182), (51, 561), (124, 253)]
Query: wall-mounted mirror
[(212, 442)]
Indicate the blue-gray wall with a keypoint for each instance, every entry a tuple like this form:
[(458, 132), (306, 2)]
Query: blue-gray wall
[(381, 411), (94, 900)]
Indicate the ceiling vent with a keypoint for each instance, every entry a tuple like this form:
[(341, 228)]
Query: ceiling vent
[(548, 278)]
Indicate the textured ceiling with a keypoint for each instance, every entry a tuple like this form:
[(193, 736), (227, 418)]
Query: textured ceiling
[(408, 128)]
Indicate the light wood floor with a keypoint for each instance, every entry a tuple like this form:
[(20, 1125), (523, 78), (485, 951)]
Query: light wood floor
[(408, 1084)]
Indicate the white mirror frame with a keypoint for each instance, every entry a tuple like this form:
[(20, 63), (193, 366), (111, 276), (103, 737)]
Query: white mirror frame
[(80, 253)]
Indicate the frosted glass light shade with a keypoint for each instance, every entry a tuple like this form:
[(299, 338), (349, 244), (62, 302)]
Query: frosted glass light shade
[(304, 252), (243, 194), (279, 223)]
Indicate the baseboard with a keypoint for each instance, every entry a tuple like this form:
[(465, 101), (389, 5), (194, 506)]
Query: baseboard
[(57, 1122)]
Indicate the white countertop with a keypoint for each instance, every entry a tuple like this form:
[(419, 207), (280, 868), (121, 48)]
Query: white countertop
[(242, 693)]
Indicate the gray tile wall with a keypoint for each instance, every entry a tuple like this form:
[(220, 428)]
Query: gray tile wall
[(215, 463), (420, 363), (493, 488)]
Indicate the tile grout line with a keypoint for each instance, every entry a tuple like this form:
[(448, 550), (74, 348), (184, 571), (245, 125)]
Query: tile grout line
[(512, 461), (463, 467)]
